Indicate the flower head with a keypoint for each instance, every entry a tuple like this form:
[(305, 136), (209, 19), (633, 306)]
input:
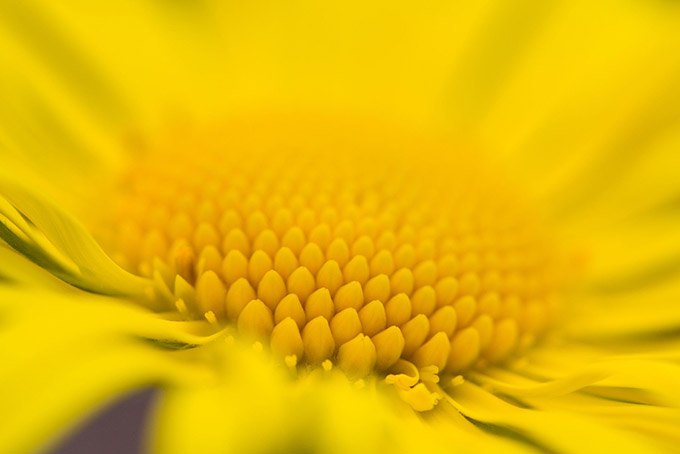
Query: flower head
[(307, 252)]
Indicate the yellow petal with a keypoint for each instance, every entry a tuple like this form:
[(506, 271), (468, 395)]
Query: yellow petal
[(58, 242)]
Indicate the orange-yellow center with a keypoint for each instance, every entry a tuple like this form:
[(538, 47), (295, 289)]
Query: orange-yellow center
[(330, 241)]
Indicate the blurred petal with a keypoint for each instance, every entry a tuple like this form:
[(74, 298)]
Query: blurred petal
[(66, 355), (260, 407), (633, 312), (638, 252), (552, 429), (56, 241)]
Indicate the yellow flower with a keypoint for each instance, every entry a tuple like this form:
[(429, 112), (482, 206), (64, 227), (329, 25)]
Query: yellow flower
[(343, 227)]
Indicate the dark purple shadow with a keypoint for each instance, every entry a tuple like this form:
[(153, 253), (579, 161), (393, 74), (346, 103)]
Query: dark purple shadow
[(118, 429)]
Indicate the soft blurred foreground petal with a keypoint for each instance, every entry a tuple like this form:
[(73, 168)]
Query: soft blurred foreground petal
[(65, 355), (260, 406)]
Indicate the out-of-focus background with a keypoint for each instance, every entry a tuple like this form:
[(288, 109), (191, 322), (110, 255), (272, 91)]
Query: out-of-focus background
[(117, 429)]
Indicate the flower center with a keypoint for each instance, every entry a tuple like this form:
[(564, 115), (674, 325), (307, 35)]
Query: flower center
[(364, 247)]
